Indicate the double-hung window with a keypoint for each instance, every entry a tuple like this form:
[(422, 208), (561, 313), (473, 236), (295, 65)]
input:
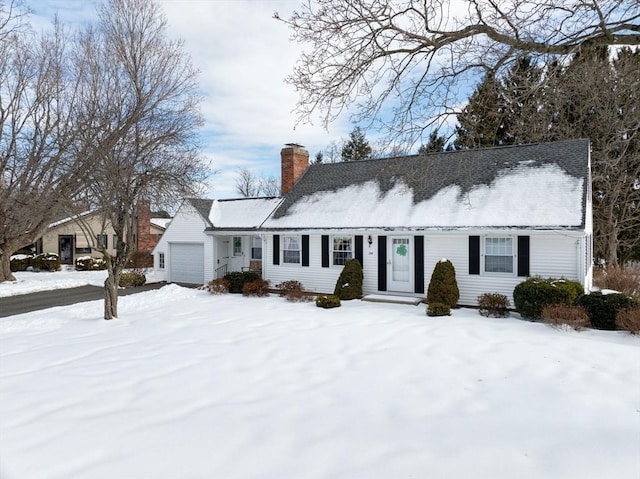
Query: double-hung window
[(161, 260), (342, 249), (256, 247), (291, 249), (498, 255)]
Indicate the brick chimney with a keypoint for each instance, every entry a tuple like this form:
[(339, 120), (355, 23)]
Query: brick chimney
[(146, 242), (295, 160)]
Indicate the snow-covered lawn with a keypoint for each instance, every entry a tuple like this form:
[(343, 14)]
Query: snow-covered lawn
[(186, 385)]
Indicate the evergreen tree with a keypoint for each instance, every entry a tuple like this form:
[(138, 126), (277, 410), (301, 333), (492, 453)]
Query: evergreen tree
[(435, 144), (482, 122), (357, 147)]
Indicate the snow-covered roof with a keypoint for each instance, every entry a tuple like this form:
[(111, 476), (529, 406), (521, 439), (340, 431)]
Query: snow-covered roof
[(540, 186), (241, 213), (71, 218), (160, 222)]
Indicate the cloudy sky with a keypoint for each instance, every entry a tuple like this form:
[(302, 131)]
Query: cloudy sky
[(243, 56)]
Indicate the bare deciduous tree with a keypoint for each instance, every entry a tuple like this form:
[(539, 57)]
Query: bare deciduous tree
[(250, 185), (415, 59), (247, 183), (139, 117), (38, 170)]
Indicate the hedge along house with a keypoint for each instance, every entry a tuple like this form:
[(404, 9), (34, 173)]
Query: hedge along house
[(499, 214), (208, 238)]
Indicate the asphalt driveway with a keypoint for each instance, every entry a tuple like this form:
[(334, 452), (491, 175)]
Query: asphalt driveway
[(25, 303)]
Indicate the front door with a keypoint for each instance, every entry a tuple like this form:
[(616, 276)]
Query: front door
[(400, 264), (236, 253), (65, 249)]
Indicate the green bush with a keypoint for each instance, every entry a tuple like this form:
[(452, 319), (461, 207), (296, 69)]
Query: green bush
[(89, 263), (20, 262), (532, 295), (327, 301), (132, 279), (438, 309), (493, 305), (237, 279), (443, 286), (46, 262), (259, 287), (603, 308), (349, 284)]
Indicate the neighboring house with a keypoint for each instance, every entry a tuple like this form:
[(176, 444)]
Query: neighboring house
[(67, 237), (500, 215)]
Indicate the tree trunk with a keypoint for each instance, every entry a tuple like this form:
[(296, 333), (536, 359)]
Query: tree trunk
[(110, 297), (5, 268)]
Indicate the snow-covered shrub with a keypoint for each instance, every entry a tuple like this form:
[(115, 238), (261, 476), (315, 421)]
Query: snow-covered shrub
[(217, 286), (493, 305), (443, 286), (532, 295), (294, 291), (603, 308), (438, 309), (131, 279), (20, 262), (558, 315), (629, 320), (327, 301), (89, 263), (349, 284), (46, 262), (259, 287), (237, 279)]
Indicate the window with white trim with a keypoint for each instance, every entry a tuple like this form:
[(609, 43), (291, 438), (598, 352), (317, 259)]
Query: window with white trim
[(498, 255), (341, 249), (256, 247), (161, 260), (291, 249)]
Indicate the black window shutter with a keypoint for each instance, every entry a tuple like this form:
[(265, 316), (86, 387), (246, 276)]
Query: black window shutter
[(325, 251), (523, 255), (305, 250), (474, 254), (358, 248), (382, 263), (276, 249), (418, 267)]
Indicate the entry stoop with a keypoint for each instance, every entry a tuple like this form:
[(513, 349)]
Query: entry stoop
[(383, 298)]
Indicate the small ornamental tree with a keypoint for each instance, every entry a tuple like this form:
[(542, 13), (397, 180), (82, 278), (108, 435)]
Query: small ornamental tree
[(349, 284), (443, 287)]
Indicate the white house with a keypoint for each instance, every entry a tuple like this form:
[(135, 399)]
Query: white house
[(499, 214)]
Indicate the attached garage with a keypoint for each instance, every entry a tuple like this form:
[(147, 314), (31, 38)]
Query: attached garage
[(186, 263)]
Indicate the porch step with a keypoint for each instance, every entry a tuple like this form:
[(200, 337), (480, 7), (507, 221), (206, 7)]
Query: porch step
[(383, 298)]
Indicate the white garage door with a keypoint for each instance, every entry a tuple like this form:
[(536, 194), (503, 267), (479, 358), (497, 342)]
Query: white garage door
[(187, 262)]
